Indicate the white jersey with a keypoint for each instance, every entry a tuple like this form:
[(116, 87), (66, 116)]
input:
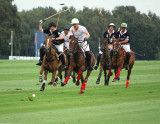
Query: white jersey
[(66, 37), (80, 33)]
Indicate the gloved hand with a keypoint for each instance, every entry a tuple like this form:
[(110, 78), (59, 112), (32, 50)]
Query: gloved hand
[(40, 21)]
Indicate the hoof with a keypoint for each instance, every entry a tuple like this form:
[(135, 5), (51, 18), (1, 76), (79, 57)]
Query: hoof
[(43, 87), (114, 80), (77, 83), (63, 84), (50, 83), (40, 80), (106, 84), (55, 84), (118, 78), (97, 82), (82, 91)]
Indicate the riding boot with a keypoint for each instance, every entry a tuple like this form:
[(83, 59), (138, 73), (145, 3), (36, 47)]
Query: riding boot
[(98, 60), (88, 58), (42, 52), (128, 55), (62, 60)]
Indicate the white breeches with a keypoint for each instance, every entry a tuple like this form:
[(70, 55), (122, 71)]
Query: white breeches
[(59, 47), (66, 44), (126, 47)]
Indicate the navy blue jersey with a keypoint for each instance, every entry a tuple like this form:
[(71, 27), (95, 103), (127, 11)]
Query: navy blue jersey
[(124, 36), (109, 36), (56, 33)]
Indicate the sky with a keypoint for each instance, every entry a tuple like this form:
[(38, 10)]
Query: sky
[(144, 6)]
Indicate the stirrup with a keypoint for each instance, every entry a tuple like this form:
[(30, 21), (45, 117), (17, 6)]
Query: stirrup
[(96, 67), (65, 68), (90, 68), (127, 67)]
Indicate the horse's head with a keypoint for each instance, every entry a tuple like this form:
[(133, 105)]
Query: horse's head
[(115, 46), (48, 43), (104, 46), (73, 45)]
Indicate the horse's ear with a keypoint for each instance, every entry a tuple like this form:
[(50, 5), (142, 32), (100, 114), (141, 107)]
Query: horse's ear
[(46, 35), (51, 36), (72, 37)]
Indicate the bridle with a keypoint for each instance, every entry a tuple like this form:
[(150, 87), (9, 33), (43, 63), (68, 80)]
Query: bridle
[(115, 47), (48, 52)]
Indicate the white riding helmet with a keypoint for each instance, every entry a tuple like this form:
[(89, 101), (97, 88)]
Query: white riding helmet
[(111, 24), (75, 21)]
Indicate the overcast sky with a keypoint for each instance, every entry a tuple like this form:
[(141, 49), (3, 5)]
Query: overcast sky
[(144, 6)]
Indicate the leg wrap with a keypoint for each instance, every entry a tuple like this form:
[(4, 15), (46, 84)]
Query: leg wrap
[(79, 75), (66, 80)]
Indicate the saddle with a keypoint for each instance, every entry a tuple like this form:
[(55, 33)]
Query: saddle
[(124, 52)]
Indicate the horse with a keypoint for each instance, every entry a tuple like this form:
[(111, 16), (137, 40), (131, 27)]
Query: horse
[(105, 62), (51, 62), (78, 63), (66, 52), (118, 61)]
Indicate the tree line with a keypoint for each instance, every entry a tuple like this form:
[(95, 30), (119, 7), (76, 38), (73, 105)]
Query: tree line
[(143, 28)]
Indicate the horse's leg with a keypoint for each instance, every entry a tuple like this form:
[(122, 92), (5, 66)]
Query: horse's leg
[(68, 76), (85, 82), (74, 76), (79, 77), (105, 75), (108, 77), (40, 76), (65, 75), (99, 76), (51, 82), (129, 73), (44, 81), (59, 75), (117, 75), (82, 80), (53, 77)]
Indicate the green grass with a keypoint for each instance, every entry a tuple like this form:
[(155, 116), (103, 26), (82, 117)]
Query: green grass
[(113, 104)]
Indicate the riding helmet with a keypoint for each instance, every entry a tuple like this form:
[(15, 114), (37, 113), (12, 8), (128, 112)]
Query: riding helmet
[(111, 24), (66, 27), (124, 25), (52, 24), (75, 21)]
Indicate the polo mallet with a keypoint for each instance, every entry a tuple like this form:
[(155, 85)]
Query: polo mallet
[(100, 14), (56, 14), (60, 54), (62, 4)]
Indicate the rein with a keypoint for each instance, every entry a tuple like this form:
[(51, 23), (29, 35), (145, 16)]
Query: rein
[(76, 50)]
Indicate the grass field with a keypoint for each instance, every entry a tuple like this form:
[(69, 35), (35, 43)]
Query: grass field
[(113, 104)]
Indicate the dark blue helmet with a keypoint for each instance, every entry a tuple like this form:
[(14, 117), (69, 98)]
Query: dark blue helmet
[(66, 27), (52, 24)]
